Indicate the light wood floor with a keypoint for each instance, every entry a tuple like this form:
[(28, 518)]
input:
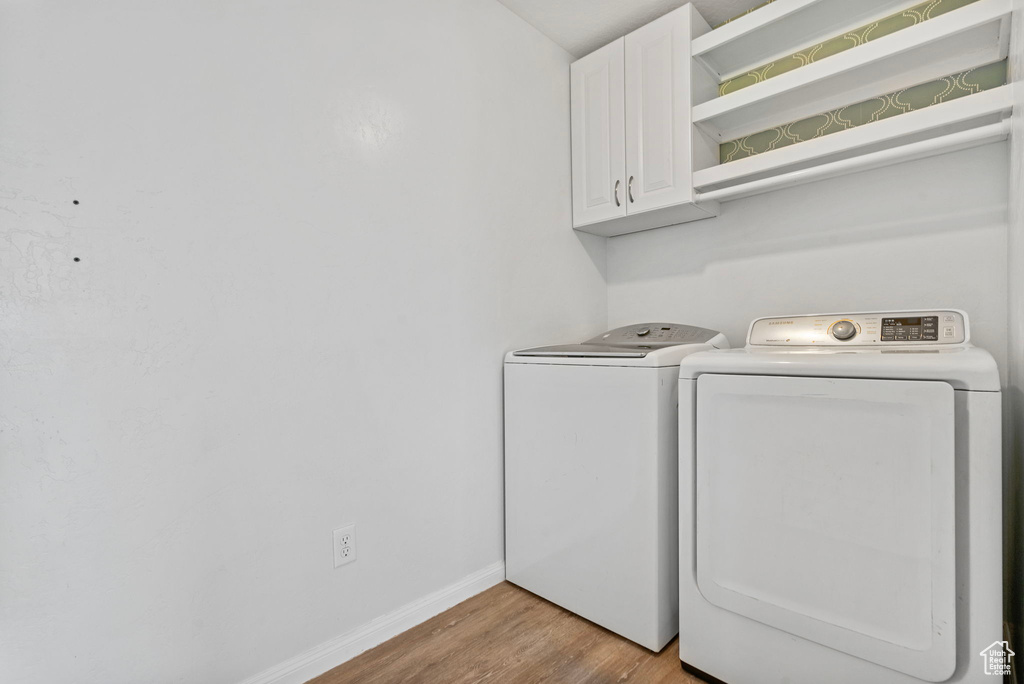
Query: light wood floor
[(507, 634)]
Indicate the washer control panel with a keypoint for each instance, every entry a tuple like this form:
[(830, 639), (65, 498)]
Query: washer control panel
[(880, 329), (655, 335)]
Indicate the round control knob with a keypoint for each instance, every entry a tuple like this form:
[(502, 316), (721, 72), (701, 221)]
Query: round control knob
[(843, 330), (643, 331)]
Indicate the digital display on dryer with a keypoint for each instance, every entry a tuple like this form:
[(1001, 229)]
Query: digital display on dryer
[(920, 329)]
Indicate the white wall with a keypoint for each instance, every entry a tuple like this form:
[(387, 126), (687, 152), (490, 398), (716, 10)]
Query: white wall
[(923, 234), (1014, 471), (308, 232)]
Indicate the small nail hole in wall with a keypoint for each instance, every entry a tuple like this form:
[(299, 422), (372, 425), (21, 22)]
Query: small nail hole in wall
[(75, 202), (77, 259)]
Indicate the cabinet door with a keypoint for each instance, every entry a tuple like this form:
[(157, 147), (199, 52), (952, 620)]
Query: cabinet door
[(598, 136), (658, 129)]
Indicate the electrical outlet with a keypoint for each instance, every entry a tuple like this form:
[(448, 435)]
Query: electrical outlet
[(344, 545)]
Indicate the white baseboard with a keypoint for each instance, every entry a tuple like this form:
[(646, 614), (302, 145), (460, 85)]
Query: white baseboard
[(330, 654)]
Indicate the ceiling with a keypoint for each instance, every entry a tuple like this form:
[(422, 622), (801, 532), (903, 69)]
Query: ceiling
[(582, 26)]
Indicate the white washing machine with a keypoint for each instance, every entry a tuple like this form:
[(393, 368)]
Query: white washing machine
[(840, 507), (590, 475)]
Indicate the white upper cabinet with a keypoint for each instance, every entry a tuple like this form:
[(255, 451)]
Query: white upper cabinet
[(633, 143), (598, 135), (658, 115)]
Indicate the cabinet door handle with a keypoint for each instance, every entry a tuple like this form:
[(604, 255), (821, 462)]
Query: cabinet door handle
[(617, 202), (629, 190)]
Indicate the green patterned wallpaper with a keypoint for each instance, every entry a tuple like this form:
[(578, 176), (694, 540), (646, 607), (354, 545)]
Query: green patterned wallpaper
[(882, 27), (766, 2), (868, 111)]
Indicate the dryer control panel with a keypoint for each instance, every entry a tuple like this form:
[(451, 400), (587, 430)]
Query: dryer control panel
[(876, 329)]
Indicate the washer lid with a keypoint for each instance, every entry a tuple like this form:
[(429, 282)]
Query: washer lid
[(587, 350), (631, 342)]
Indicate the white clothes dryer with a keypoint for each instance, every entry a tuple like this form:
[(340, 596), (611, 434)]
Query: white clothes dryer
[(840, 502)]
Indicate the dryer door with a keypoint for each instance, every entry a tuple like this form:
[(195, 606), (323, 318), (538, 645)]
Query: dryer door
[(825, 509)]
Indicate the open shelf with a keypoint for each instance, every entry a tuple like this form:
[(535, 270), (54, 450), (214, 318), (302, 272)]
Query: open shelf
[(962, 39), (782, 28), (950, 121)]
